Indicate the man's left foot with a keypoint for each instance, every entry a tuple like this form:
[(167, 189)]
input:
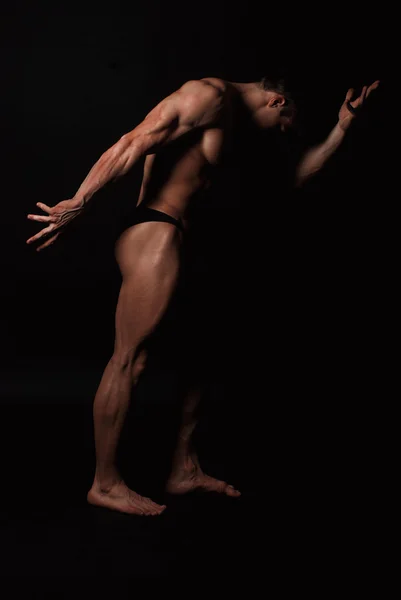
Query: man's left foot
[(190, 477)]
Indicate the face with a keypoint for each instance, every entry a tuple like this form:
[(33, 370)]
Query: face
[(275, 115), (286, 122)]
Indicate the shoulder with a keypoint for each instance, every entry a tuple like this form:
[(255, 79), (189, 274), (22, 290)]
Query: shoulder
[(201, 100), (206, 83), (216, 83), (208, 89)]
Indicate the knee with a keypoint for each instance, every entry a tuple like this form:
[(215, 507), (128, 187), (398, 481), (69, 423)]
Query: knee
[(123, 360), (139, 365), (131, 362)]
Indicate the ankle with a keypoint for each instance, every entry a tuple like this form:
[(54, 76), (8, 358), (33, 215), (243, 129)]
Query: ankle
[(105, 483), (186, 463)]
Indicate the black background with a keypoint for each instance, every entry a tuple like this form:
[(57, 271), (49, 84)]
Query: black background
[(298, 280)]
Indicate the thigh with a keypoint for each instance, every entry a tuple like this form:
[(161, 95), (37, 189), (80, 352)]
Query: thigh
[(148, 255)]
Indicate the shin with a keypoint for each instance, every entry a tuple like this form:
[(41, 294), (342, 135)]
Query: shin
[(110, 408)]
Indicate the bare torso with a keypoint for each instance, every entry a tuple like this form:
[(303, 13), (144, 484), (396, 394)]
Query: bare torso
[(184, 168)]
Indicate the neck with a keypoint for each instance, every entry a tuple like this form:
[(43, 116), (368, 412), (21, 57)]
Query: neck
[(252, 95)]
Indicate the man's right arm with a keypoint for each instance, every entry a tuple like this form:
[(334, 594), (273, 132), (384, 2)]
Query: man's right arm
[(195, 104)]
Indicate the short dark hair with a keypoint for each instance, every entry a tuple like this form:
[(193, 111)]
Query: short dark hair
[(274, 85), (279, 86)]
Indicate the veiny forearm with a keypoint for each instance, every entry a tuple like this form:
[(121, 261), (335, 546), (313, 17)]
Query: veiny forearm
[(114, 163), (315, 158)]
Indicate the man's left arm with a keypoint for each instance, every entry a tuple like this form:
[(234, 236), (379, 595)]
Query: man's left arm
[(315, 158)]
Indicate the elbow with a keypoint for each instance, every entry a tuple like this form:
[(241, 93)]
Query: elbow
[(305, 173)]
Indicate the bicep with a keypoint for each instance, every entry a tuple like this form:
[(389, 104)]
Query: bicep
[(183, 111)]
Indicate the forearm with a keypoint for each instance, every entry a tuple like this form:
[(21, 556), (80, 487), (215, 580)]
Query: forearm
[(315, 158), (114, 163)]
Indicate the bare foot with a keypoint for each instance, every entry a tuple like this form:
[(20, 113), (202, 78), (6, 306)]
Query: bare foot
[(190, 477), (119, 497)]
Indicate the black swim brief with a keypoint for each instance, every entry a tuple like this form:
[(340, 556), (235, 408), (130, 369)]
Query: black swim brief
[(143, 214)]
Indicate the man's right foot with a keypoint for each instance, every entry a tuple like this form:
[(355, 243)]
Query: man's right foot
[(119, 497)]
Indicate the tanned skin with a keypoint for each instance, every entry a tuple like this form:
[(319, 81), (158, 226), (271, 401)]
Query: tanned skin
[(183, 139)]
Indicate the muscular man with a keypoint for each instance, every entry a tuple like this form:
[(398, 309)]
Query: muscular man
[(183, 138)]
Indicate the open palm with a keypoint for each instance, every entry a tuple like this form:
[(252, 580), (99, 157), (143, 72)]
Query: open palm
[(350, 107), (56, 219)]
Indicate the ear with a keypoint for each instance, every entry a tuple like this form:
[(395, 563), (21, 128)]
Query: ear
[(277, 101)]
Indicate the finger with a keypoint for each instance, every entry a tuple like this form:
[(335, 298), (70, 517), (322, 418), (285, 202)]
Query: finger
[(44, 207), (372, 87), (41, 218), (363, 95), (349, 95), (48, 243), (40, 234)]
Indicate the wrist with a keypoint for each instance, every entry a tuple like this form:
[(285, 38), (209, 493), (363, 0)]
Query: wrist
[(78, 201), (343, 125)]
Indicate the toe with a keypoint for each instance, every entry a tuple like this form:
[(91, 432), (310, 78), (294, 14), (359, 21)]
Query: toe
[(231, 491), (152, 505), (139, 507), (214, 485), (221, 486), (135, 510), (152, 510), (149, 508)]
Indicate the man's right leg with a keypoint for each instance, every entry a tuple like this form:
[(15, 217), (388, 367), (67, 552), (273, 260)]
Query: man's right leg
[(110, 408), (148, 258)]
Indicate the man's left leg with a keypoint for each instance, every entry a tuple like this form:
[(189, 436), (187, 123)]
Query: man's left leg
[(186, 474)]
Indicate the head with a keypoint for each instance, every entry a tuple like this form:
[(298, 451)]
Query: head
[(277, 109)]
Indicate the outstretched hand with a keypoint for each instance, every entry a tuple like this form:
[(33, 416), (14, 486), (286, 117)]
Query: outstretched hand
[(350, 108), (57, 218)]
